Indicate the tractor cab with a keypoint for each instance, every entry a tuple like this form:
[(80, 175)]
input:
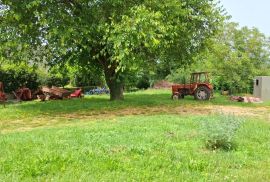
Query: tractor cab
[(200, 77)]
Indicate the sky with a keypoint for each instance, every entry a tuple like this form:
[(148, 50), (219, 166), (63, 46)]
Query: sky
[(251, 13)]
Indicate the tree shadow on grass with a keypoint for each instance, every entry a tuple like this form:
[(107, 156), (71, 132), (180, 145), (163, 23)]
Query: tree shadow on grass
[(102, 103), (93, 103)]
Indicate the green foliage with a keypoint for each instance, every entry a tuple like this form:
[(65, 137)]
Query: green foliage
[(143, 82), (58, 75), (112, 36), (131, 79), (83, 76), (181, 75), (219, 131), (137, 80), (73, 75), (43, 75), (235, 57), (15, 76), (57, 81)]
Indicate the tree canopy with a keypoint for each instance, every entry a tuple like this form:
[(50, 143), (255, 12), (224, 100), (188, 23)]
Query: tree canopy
[(234, 57), (113, 36), (237, 56)]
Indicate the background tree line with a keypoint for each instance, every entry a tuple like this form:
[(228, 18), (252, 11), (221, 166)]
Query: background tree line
[(234, 57)]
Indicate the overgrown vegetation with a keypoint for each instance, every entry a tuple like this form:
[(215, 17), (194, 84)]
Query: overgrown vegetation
[(219, 131)]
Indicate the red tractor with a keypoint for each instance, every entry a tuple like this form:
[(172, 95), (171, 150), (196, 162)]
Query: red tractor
[(199, 87)]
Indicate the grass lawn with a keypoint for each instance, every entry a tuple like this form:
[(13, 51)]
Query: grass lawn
[(147, 137)]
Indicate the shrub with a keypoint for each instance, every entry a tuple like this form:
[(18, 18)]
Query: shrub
[(219, 131), (58, 81), (14, 77), (143, 83)]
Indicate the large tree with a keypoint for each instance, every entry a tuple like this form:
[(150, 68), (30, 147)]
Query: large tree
[(114, 36)]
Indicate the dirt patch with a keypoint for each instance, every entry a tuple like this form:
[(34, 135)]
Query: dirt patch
[(92, 116), (241, 111), (138, 111)]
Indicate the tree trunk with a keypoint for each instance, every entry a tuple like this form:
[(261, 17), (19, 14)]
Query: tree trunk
[(114, 82), (116, 89)]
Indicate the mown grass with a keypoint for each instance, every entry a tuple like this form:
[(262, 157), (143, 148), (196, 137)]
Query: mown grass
[(158, 146), (134, 148)]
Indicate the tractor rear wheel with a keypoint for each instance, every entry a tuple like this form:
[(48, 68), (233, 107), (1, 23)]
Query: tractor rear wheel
[(202, 93)]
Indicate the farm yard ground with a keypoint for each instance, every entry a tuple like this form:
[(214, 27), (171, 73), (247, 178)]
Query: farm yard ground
[(147, 137)]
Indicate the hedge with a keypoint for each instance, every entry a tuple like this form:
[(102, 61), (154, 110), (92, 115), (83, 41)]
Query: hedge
[(15, 77)]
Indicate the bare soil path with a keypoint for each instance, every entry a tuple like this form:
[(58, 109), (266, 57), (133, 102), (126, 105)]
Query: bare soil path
[(26, 124)]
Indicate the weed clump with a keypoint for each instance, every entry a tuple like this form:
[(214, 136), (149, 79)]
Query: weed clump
[(218, 131)]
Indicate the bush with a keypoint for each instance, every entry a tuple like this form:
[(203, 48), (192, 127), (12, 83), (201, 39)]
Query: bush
[(219, 131), (57, 81), (143, 83), (14, 77)]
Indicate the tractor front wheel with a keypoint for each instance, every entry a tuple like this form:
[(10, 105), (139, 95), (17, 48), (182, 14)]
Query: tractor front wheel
[(178, 96), (175, 97), (202, 93)]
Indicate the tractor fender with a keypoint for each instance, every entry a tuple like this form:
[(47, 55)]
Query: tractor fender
[(204, 85)]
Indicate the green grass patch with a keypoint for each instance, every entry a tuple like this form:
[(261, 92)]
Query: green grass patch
[(93, 139), (134, 148)]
